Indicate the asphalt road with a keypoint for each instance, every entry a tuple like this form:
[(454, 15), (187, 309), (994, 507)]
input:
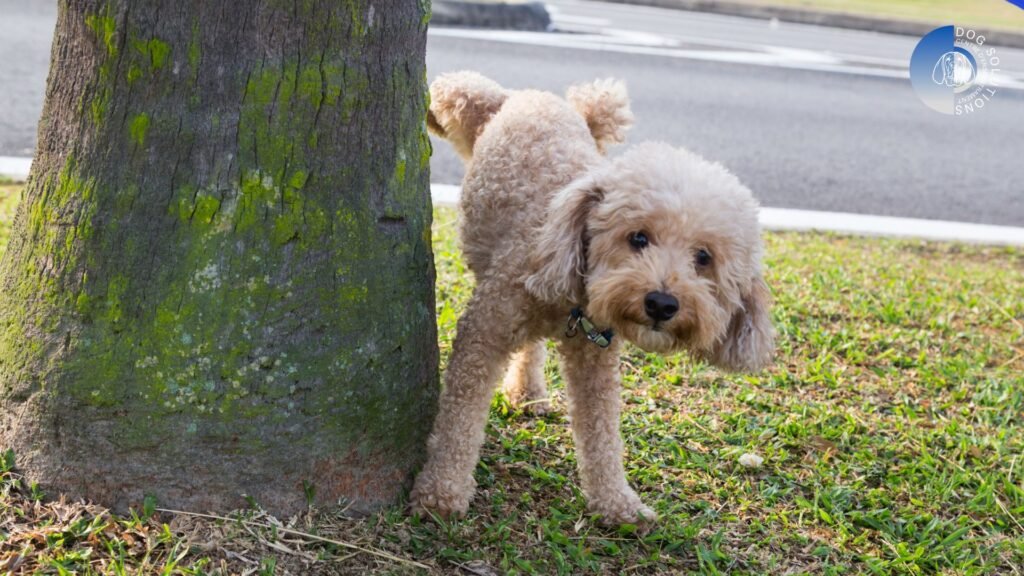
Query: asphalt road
[(26, 29), (809, 117)]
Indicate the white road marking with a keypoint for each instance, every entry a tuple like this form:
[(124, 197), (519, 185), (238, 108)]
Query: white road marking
[(622, 44), (846, 223), (642, 43), (558, 18)]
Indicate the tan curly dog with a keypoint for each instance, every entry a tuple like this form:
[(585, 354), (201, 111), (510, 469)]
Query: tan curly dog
[(657, 246)]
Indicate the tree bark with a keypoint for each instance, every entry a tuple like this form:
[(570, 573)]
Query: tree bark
[(220, 282)]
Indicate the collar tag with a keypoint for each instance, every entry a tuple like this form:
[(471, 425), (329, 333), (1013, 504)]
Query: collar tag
[(577, 320)]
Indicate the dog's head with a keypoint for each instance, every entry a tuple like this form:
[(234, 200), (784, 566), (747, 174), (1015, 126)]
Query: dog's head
[(665, 248)]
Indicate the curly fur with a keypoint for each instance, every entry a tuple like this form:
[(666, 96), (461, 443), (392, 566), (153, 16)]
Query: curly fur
[(604, 104), (546, 222)]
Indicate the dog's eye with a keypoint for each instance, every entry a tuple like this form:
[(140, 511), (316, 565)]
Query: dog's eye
[(638, 240), (703, 258)]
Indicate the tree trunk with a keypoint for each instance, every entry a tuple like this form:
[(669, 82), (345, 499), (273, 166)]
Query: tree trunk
[(220, 280)]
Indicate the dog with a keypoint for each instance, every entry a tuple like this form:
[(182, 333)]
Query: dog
[(657, 246)]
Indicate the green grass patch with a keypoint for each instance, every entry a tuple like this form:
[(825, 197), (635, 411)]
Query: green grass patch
[(985, 14), (9, 196), (889, 427)]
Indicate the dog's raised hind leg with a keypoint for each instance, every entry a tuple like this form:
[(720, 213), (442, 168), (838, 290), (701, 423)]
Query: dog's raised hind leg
[(524, 381)]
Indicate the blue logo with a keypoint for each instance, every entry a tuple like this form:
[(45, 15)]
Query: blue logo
[(953, 71)]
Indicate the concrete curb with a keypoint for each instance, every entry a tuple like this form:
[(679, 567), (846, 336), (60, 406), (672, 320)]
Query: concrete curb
[(1007, 38), (507, 15), (15, 168)]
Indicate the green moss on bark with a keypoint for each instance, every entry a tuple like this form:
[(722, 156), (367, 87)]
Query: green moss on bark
[(138, 128), (104, 27), (195, 47), (198, 352)]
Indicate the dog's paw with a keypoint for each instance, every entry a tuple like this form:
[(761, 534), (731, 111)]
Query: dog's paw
[(430, 507), (624, 509), (429, 498)]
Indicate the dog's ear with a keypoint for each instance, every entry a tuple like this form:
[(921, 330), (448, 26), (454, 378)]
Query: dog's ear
[(559, 259), (750, 340)]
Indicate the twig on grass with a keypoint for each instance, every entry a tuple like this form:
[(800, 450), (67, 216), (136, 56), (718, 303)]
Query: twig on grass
[(693, 421), (279, 546), (370, 551), (550, 399), (1004, 312), (1018, 356)]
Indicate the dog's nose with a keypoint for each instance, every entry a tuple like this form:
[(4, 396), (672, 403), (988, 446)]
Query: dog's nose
[(660, 306)]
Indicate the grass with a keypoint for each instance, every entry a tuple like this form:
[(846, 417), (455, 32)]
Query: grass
[(890, 428), (9, 195), (985, 14)]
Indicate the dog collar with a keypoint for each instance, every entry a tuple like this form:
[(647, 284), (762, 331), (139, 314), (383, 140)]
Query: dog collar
[(577, 320)]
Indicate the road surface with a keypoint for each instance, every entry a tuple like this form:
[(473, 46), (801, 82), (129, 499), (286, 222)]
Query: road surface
[(809, 117)]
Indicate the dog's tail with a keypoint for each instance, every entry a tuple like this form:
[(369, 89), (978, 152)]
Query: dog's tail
[(604, 104), (461, 104)]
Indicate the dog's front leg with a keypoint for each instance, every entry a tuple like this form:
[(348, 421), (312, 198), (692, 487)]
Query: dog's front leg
[(479, 354), (594, 393)]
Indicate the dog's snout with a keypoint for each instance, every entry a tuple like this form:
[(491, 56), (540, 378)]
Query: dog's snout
[(660, 306)]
